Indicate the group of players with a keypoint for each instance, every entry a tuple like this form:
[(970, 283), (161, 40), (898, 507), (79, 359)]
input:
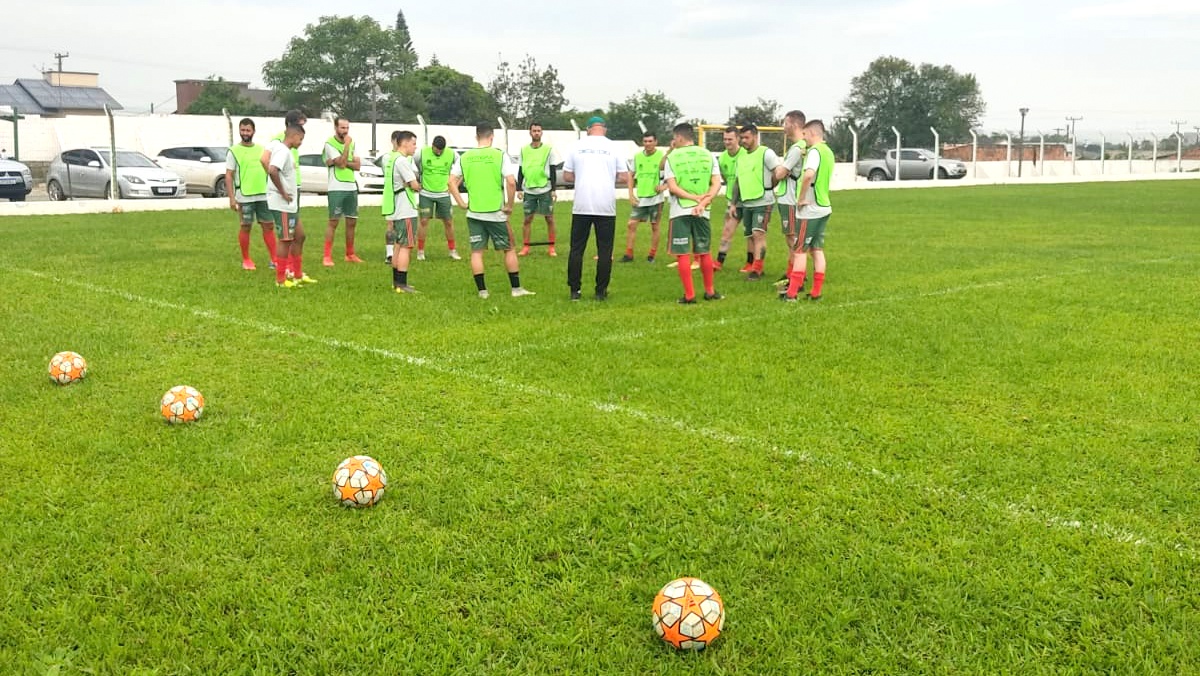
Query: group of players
[(419, 185)]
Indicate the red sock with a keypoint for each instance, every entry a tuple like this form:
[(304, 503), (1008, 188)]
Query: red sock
[(706, 271), (349, 247), (795, 281), (629, 252), (758, 266), (685, 276), (269, 240), (818, 282), (280, 271), (420, 244), (653, 253), (450, 244), (244, 243), (789, 267), (328, 248), (294, 262)]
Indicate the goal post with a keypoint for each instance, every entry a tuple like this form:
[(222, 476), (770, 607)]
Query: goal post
[(710, 135)]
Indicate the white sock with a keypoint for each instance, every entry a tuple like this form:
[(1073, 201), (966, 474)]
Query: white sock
[(389, 250)]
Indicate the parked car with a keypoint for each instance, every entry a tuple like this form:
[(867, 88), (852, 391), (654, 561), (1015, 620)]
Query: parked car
[(87, 172), (202, 167), (915, 163), (314, 175), (16, 181)]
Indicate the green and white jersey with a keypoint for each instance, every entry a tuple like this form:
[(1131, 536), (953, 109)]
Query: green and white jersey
[(770, 162), (814, 162), (794, 163), (403, 173), (678, 209), (529, 155), (281, 159), (339, 179), (648, 176), (507, 169), (426, 173), (253, 176)]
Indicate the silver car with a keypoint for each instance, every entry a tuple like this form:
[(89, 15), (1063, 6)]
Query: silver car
[(16, 181), (87, 172)]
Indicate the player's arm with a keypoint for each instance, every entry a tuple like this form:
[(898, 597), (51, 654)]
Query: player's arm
[(229, 186), (455, 182), (334, 158), (806, 183), (631, 181), (510, 193), (273, 173), (355, 163)]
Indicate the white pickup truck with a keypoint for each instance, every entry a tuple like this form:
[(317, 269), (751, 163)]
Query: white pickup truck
[(915, 163)]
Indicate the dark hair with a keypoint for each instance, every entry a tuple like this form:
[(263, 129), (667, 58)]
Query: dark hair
[(795, 116), (439, 142), (294, 129), (246, 122), (484, 130), (293, 117), (749, 127), (685, 130), (338, 119), (731, 129), (535, 124), (648, 134), (816, 124), (402, 136)]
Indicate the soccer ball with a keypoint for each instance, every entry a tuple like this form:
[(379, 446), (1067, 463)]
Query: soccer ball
[(182, 404), (688, 614), (359, 481), (67, 367)]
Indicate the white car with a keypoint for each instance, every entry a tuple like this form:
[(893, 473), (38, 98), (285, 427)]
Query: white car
[(314, 175), (87, 172), (202, 167), (16, 181)]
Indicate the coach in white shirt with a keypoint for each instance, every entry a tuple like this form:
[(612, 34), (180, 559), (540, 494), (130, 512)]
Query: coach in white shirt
[(594, 166)]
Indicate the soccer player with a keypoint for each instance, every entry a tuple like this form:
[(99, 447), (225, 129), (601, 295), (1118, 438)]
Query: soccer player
[(433, 169), (491, 178), (788, 176), (645, 195), (283, 192), (400, 188), (728, 164), (343, 189), (594, 166), (815, 208), (754, 192), (538, 164), (244, 171), (693, 179)]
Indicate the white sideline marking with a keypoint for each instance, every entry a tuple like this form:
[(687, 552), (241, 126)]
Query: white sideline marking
[(1012, 510)]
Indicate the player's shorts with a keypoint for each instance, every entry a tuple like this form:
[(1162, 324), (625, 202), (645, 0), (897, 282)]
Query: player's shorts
[(756, 218), (403, 232), (251, 212), (690, 234), (539, 204), (652, 213), (343, 204), (813, 234), (497, 231), (435, 207), (789, 217), (285, 225)]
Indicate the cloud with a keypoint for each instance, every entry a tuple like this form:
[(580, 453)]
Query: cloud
[(1138, 9)]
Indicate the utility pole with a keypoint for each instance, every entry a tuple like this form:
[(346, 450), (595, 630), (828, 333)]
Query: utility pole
[(59, 56), (1197, 130), (1178, 124), (1071, 124), (1021, 142)]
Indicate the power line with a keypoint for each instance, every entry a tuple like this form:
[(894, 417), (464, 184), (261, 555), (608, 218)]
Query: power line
[(1071, 121), (1178, 124)]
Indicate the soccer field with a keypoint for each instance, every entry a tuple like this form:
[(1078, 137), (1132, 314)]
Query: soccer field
[(976, 455)]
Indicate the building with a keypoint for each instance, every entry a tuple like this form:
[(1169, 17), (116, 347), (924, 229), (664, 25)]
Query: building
[(187, 91), (58, 94)]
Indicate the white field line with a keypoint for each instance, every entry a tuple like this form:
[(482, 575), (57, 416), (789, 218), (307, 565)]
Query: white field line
[(1020, 512)]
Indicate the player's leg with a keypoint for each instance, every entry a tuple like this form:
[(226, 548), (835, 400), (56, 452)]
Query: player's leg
[(763, 223), (350, 211), (729, 224), (787, 219), (448, 226), (266, 222), (477, 230), (550, 229), (581, 229), (284, 230), (816, 239), (655, 234), (679, 234), (334, 198), (529, 210), (606, 227), (635, 217), (422, 233), (245, 222), (702, 252), (405, 235), (799, 263), (502, 239)]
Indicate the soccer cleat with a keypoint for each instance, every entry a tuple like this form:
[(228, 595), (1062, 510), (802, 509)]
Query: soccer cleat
[(305, 279), (717, 265), (404, 288), (522, 291), (388, 260), (673, 265), (687, 301), (286, 284), (483, 293), (601, 296), (753, 276), (248, 265), (649, 259), (695, 265), (420, 255), (782, 281), (454, 255), (626, 258), (327, 262), (748, 267), (525, 251), (575, 295), (271, 265), (813, 298), (551, 252), (786, 298), (353, 259), (713, 296)]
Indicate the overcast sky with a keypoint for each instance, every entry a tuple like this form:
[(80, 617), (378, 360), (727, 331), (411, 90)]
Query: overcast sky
[(1120, 64)]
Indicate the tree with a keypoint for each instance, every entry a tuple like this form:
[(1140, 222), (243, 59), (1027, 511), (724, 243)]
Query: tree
[(840, 140), (893, 92), (404, 37), (445, 96), (766, 113), (658, 112), (527, 94), (220, 94), (327, 69)]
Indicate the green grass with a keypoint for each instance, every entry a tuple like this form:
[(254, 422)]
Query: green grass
[(977, 455)]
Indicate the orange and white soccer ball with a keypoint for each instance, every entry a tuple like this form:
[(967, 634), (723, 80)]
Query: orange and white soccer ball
[(182, 404), (67, 367), (359, 481), (688, 614)]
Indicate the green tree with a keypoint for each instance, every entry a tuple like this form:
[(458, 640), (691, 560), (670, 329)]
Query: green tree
[(893, 92), (655, 110), (327, 68), (765, 113), (221, 94), (444, 96), (527, 93)]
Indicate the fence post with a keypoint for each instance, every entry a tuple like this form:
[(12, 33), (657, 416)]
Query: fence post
[(974, 154), (228, 123), (1178, 153), (1154, 166), (1041, 153), (505, 128), (114, 188), (1008, 156), (897, 133), (424, 131), (575, 126), (854, 151), (1130, 135), (937, 153), (1074, 154)]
